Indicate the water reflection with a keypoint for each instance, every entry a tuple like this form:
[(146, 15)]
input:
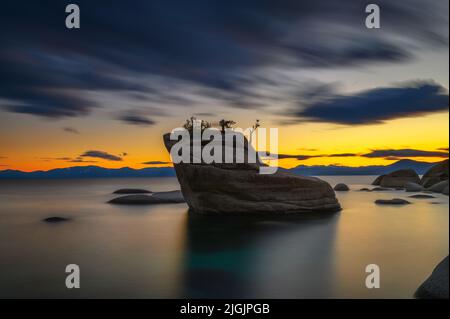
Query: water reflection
[(244, 257), (162, 251)]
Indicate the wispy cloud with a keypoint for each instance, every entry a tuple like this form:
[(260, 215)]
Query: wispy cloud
[(102, 155), (389, 154), (302, 157), (156, 163), (402, 153), (71, 130), (80, 160), (137, 120)]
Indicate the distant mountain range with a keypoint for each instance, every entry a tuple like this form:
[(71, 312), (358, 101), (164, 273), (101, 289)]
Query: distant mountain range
[(100, 172), (419, 167), (90, 172)]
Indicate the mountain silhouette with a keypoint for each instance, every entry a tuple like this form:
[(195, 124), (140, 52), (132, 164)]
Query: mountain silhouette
[(316, 170)]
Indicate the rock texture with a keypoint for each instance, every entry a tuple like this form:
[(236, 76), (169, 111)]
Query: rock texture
[(394, 201), (171, 197), (435, 174), (238, 188), (397, 178), (445, 191), (436, 286), (413, 187), (341, 187), (439, 187), (377, 180), (131, 191)]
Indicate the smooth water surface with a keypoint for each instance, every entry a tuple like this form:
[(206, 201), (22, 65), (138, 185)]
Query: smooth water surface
[(162, 251)]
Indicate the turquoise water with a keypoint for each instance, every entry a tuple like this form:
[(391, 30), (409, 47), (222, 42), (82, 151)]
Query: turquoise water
[(162, 251)]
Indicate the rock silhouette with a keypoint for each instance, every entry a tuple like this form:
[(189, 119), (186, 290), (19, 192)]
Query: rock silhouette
[(397, 178), (238, 188)]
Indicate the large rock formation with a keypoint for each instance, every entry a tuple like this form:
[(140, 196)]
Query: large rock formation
[(439, 187), (436, 286), (397, 178), (238, 188), (445, 191), (413, 187), (435, 174)]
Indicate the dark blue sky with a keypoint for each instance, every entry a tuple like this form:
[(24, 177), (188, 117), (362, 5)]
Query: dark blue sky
[(204, 48)]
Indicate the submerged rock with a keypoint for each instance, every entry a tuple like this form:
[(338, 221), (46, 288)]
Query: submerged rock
[(365, 189), (445, 191), (171, 197), (436, 286), (413, 187), (435, 174), (394, 201), (238, 188), (439, 187), (380, 189), (341, 187), (55, 219), (132, 191), (397, 178), (421, 196)]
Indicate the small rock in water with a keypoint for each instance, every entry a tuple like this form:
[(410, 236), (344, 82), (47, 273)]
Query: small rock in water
[(365, 189), (421, 196), (55, 219), (341, 187), (380, 189), (394, 201), (171, 197), (131, 191)]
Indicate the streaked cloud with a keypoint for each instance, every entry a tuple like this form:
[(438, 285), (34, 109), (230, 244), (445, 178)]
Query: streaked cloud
[(71, 130), (172, 50), (302, 157), (402, 153), (102, 155), (79, 160), (136, 120), (377, 105), (156, 163)]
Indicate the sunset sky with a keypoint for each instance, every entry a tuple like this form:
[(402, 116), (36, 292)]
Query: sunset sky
[(339, 93)]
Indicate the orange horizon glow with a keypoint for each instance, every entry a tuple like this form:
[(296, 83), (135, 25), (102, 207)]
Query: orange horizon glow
[(40, 145)]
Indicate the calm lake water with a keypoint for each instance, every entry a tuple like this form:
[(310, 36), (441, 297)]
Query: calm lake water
[(162, 251)]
